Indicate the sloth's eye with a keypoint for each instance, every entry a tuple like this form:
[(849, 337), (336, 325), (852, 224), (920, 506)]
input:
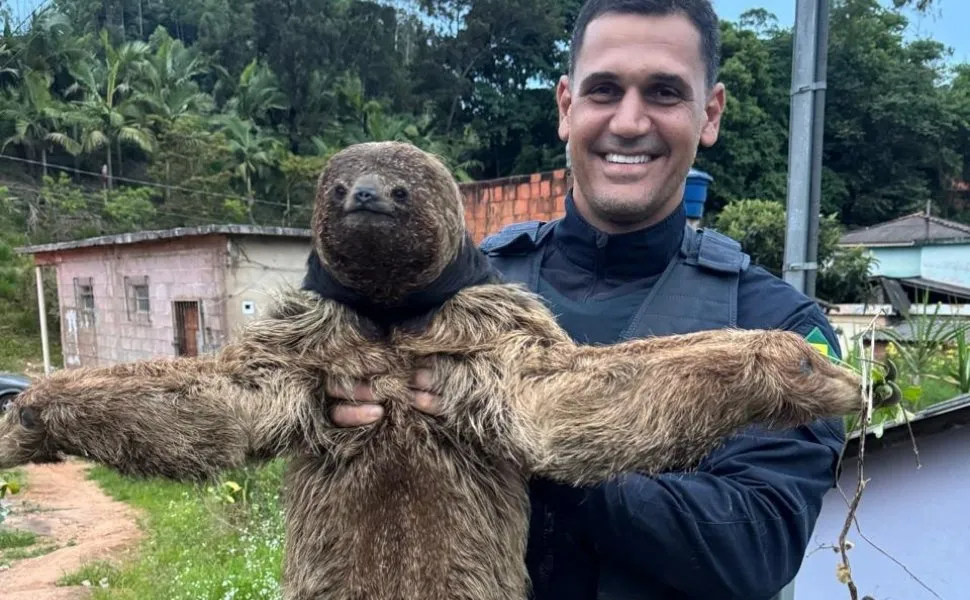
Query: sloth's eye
[(400, 194), (339, 191)]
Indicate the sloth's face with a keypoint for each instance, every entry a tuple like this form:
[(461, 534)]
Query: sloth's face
[(388, 217)]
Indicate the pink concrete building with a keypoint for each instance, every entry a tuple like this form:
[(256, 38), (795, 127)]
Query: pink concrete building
[(166, 293)]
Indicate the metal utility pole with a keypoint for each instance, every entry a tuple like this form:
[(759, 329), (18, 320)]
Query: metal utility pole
[(806, 126)]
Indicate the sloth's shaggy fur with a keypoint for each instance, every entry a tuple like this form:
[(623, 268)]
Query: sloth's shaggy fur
[(419, 507)]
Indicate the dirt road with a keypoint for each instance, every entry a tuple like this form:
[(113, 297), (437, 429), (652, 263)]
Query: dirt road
[(63, 508)]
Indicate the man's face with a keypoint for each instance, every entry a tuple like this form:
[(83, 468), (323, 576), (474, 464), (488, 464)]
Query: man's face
[(633, 115)]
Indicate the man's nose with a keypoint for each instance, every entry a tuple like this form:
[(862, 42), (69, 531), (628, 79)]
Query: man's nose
[(630, 118)]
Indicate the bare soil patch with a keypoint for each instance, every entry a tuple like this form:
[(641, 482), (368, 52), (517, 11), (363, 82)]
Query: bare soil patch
[(72, 518)]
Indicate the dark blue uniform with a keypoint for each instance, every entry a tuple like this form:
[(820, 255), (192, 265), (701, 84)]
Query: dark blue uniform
[(739, 526)]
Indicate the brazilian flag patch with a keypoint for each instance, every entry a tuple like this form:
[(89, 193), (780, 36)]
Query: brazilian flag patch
[(817, 339)]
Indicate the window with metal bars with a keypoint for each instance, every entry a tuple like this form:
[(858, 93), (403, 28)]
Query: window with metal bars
[(84, 300), (137, 300)]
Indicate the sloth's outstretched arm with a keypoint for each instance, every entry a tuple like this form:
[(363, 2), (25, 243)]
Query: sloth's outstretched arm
[(659, 404), (184, 418)]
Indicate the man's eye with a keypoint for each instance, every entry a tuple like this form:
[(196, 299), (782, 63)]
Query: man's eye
[(666, 94), (602, 92)]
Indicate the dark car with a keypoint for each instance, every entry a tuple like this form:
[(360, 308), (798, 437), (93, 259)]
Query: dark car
[(11, 385)]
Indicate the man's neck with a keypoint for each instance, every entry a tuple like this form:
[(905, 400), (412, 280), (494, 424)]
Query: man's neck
[(609, 227), (629, 255)]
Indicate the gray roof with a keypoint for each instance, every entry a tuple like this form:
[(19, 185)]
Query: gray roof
[(910, 230), (161, 234)]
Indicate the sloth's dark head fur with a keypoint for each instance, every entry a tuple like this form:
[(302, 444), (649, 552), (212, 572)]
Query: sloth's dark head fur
[(388, 219), (389, 235)]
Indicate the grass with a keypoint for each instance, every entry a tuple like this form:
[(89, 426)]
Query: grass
[(20, 353), (200, 546), (12, 538)]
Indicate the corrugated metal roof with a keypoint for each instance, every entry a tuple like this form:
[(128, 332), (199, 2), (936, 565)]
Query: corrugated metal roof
[(162, 234), (939, 287), (907, 231)]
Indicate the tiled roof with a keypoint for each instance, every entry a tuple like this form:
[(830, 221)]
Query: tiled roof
[(909, 230)]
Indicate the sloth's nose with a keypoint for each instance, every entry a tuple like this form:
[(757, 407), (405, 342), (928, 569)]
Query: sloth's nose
[(365, 195)]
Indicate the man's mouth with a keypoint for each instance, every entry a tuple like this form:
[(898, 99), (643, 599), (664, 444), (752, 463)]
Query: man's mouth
[(628, 159)]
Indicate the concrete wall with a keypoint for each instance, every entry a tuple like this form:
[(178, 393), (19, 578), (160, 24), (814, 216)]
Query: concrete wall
[(258, 265), (917, 516), (896, 262), (180, 269), (949, 264)]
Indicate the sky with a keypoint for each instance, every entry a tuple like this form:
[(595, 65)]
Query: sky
[(946, 23)]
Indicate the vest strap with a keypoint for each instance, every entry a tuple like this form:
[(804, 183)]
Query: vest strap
[(713, 250), (516, 251), (517, 238)]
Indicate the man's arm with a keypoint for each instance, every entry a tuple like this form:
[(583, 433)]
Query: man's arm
[(739, 526)]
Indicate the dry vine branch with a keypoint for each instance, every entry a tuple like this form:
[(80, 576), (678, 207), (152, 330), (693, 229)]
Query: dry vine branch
[(844, 571)]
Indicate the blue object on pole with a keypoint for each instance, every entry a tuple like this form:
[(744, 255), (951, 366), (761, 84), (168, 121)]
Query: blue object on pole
[(695, 193)]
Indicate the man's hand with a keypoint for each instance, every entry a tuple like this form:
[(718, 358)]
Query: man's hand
[(364, 409)]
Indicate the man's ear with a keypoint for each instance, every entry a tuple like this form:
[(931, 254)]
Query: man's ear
[(713, 111), (564, 100)]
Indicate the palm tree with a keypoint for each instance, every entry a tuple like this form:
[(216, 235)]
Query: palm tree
[(36, 117), (170, 93), (256, 94), (369, 121), (168, 73), (109, 115), (52, 45), (253, 151)]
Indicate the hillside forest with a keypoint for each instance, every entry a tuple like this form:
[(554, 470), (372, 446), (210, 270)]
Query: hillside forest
[(120, 115)]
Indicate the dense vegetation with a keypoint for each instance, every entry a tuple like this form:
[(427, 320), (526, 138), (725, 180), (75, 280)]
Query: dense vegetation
[(226, 107), (117, 115)]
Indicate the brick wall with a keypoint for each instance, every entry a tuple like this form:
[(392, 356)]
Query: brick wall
[(492, 204)]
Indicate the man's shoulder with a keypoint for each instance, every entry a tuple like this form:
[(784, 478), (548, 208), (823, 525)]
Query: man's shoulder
[(514, 238), (765, 301)]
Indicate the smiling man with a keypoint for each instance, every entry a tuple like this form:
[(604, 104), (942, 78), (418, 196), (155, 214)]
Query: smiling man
[(640, 97)]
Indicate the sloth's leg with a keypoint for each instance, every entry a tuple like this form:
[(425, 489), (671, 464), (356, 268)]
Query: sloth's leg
[(185, 418), (658, 404)]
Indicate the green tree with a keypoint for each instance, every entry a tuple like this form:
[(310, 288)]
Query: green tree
[(759, 225), (108, 113), (36, 118), (885, 116)]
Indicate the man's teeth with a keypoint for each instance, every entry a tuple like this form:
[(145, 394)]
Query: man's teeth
[(628, 159)]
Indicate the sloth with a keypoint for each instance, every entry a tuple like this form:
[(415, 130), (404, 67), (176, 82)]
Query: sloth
[(419, 506)]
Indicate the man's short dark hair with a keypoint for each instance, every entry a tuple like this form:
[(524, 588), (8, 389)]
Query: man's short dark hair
[(699, 12)]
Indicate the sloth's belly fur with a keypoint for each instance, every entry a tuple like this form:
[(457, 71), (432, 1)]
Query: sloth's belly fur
[(412, 515)]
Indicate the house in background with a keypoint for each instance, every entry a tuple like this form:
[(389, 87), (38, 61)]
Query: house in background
[(918, 253), (175, 292), (914, 514), (921, 266)]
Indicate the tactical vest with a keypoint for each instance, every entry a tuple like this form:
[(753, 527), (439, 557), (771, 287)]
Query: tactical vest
[(698, 290)]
